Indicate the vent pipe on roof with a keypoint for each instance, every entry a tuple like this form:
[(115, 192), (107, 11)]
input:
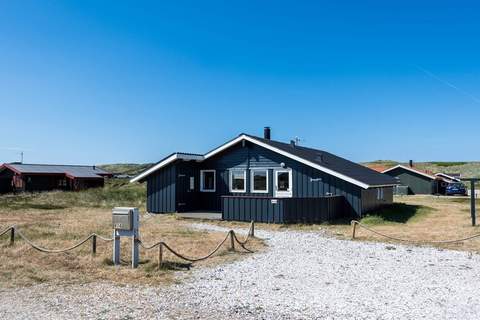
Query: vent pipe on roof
[(293, 143), (410, 163), (266, 133), (93, 167)]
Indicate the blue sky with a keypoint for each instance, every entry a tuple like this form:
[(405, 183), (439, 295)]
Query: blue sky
[(108, 81)]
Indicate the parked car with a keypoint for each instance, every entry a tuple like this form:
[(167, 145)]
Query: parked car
[(456, 188)]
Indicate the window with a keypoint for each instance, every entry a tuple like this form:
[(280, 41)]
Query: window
[(192, 183), (283, 183), (380, 194), (207, 180), (238, 180), (259, 180), (62, 182)]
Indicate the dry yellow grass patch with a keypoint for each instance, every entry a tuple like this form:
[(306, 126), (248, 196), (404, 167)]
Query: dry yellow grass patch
[(440, 218), (60, 228)]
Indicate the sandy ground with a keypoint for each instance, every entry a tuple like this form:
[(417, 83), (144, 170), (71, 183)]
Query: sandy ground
[(301, 275)]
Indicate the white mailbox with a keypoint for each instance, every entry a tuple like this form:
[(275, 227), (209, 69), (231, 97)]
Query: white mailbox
[(125, 222)]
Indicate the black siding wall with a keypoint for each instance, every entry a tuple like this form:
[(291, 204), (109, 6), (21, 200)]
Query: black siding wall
[(282, 210), (417, 184), (161, 195), (307, 182), (370, 201), (168, 187)]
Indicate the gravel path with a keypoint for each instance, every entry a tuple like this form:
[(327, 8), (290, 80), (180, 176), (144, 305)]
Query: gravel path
[(302, 275)]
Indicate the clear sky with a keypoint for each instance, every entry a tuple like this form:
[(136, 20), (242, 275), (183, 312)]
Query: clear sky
[(113, 81)]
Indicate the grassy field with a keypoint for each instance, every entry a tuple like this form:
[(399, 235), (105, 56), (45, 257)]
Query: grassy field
[(126, 168), (57, 220), (420, 218)]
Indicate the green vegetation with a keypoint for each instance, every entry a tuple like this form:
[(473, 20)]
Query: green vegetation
[(397, 213), (117, 192), (386, 163), (126, 168), (448, 164)]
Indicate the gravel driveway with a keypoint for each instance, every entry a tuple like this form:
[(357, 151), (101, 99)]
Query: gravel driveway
[(302, 275)]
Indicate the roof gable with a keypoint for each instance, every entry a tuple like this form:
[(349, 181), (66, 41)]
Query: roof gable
[(326, 162), (411, 170)]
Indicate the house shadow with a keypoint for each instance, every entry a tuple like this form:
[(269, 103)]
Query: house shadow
[(398, 212), (175, 266)]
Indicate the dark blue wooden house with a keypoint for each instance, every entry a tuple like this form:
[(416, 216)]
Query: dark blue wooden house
[(253, 178)]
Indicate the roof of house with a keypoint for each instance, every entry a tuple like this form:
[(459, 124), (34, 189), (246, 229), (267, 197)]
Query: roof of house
[(318, 159), (71, 171), (377, 167), (414, 170), (447, 177)]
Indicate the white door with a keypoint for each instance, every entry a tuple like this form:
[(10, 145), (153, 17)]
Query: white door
[(282, 183)]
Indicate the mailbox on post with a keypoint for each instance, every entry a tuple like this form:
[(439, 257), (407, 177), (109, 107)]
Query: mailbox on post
[(125, 222)]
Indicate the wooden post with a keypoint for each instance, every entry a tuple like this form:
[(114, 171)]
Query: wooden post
[(472, 201), (94, 245), (252, 229), (232, 241), (354, 227), (160, 256), (12, 236)]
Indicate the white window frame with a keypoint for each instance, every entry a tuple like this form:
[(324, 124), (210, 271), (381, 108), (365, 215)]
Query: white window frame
[(202, 180), (230, 183), (252, 184), (283, 194), (380, 194)]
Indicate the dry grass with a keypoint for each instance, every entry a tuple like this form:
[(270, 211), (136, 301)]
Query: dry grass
[(416, 218), (59, 226), (436, 218)]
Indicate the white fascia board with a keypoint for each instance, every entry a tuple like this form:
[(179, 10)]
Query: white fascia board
[(411, 170), (288, 155), (384, 185), (225, 146), (447, 176), (165, 162)]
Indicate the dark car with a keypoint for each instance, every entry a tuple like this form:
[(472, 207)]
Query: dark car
[(456, 188)]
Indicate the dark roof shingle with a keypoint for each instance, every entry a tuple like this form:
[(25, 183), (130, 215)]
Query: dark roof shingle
[(70, 170), (333, 162)]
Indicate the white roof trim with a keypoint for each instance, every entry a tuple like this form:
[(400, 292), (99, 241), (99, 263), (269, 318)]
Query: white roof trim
[(411, 170), (289, 155), (163, 163), (266, 146), (447, 176)]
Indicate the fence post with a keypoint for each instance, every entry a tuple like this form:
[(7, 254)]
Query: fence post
[(232, 241), (160, 255), (252, 229), (94, 244), (12, 236), (354, 227)]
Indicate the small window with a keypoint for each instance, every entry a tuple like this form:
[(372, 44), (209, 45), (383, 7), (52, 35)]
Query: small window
[(192, 183), (380, 195), (259, 180), (283, 183), (207, 180), (238, 180)]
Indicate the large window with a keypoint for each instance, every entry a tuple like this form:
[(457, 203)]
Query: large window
[(238, 180), (207, 180), (259, 180), (283, 183)]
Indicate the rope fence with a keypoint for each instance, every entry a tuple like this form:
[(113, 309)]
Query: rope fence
[(14, 231), (355, 223), (230, 234)]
